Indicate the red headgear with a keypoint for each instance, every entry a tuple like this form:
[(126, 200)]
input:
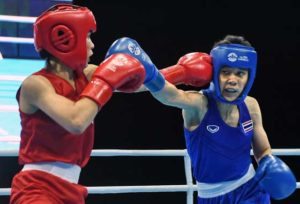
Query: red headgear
[(62, 31)]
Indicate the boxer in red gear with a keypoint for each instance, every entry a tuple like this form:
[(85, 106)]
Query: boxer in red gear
[(59, 103)]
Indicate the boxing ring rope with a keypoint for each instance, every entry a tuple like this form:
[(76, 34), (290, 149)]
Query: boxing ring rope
[(19, 40), (16, 19), (189, 187)]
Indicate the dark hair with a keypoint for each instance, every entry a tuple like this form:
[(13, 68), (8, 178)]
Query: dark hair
[(44, 54), (235, 39)]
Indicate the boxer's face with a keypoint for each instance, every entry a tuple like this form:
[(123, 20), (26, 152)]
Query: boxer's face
[(232, 82), (89, 46)]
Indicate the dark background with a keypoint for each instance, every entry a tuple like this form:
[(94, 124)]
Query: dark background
[(166, 32)]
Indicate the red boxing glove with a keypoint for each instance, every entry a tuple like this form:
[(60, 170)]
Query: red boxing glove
[(193, 69), (119, 71)]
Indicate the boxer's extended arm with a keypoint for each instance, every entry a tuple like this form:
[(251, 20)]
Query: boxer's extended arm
[(192, 69), (170, 95), (195, 66)]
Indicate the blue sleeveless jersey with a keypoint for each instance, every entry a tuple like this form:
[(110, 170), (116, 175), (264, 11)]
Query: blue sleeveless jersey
[(218, 151)]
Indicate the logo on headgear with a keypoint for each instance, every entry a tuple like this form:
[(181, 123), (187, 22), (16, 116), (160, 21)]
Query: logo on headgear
[(134, 49), (232, 57), (244, 58)]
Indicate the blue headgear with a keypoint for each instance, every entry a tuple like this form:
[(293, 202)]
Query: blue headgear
[(233, 55)]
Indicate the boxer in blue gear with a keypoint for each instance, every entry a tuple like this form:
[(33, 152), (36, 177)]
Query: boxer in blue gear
[(221, 126)]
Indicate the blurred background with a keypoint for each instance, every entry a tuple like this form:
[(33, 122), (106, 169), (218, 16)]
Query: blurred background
[(138, 121)]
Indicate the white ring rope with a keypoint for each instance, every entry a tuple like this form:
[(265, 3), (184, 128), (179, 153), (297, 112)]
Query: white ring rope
[(127, 189), (12, 78), (132, 189), (119, 152), (17, 19), (139, 189), (16, 40)]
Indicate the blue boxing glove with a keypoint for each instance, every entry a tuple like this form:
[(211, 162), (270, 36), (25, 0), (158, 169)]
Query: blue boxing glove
[(154, 80), (275, 177)]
